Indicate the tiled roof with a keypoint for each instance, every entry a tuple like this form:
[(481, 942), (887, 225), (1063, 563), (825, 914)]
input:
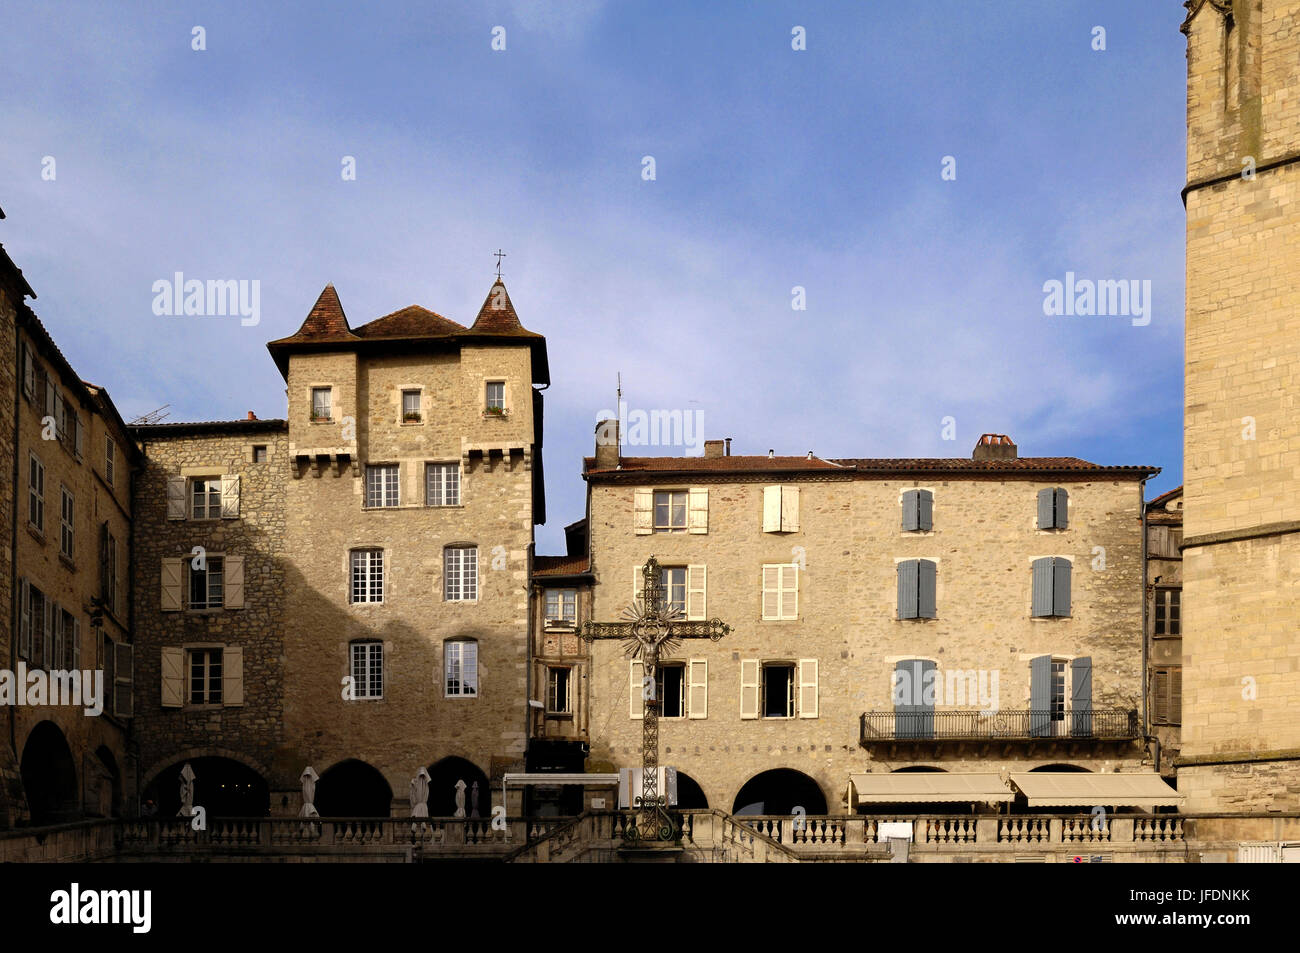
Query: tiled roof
[(1165, 497), (706, 464), (955, 465), (178, 428), (560, 565), (965, 464), (498, 317), (412, 321), (325, 322)]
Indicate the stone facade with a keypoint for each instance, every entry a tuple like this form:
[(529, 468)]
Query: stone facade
[(12, 289), (1241, 686), (1164, 625)]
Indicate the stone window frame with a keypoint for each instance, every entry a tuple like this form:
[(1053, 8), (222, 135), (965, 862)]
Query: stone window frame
[(190, 480), (446, 660), (371, 644), (354, 551), (312, 389), (187, 583), (477, 579), (189, 648), (460, 496), (490, 382), (396, 483), (420, 417)]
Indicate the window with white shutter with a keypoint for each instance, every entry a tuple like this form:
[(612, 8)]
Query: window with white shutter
[(780, 591), (697, 688), (698, 515), (205, 498), (229, 497), (176, 504), (780, 509), (643, 511), (173, 676), (36, 493), (232, 676), (808, 688), (750, 673), (636, 688)]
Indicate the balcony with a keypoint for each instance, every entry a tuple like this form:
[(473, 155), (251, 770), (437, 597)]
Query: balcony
[(1004, 728)]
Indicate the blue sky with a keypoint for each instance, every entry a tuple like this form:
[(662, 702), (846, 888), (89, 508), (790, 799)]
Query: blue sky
[(775, 168)]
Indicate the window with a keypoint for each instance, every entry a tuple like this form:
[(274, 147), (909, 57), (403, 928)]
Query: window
[(108, 569), (411, 407), (778, 690), (558, 699), (29, 373), (496, 397), (1167, 695), (367, 669), (259, 454), (670, 684), (32, 623), (367, 575), (207, 585), (672, 580), (110, 460), (382, 485), (461, 667), (1051, 587), (460, 573), (780, 591), (1058, 687), (205, 498), (917, 585), (1053, 509), (205, 676), (65, 523), (70, 639), (914, 696), (670, 511), (36, 494), (1056, 698), (918, 511), (320, 403), (442, 484), (780, 509), (1167, 613), (562, 605)]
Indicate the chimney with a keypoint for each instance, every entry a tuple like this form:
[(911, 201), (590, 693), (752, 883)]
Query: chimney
[(252, 416), (713, 448), (771, 453), (728, 446), (994, 446), (607, 437)]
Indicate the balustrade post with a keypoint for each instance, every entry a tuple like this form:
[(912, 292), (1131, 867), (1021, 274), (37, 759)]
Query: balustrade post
[(1121, 829), (1054, 831)]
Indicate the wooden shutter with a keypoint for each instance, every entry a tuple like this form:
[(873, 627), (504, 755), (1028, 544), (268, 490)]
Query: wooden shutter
[(78, 432), (927, 587), (232, 676), (636, 700), (1046, 508), (1062, 507), (697, 671), (47, 646), (807, 688), (229, 497), (76, 644), (697, 515), (789, 591), (25, 619), (55, 659), (911, 511), (1081, 697), (771, 592), (906, 690), (176, 498), (789, 509), (173, 677), (123, 680), (1040, 696), (1042, 587), (924, 510), (908, 589), (234, 594), (771, 509), (1060, 586), (1176, 695), (638, 582), (1160, 696), (29, 372), (925, 709), (54, 408), (749, 676), (696, 593), (44, 394), (171, 583), (643, 504)]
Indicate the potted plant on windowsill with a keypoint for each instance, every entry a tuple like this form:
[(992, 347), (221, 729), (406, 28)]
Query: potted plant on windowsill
[(411, 417), (495, 412), (318, 419)]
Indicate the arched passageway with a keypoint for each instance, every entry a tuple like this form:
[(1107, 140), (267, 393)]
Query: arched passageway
[(50, 776), (780, 791), (354, 788)]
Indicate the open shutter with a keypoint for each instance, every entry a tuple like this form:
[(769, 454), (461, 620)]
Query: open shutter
[(696, 593), (47, 645), (1081, 697), (925, 711), (908, 585), (789, 592), (173, 677), (171, 584), (927, 585), (176, 498), (55, 659), (229, 497), (749, 672), (29, 372), (1175, 710), (789, 509), (1042, 589), (234, 594), (232, 676), (78, 433), (771, 509), (1040, 696), (123, 680), (1062, 506), (906, 690), (24, 620), (808, 688), (771, 592), (697, 671), (1160, 696), (924, 510), (643, 502), (1061, 586), (76, 644), (698, 512), (55, 410), (910, 511), (636, 698), (1046, 509), (638, 583)]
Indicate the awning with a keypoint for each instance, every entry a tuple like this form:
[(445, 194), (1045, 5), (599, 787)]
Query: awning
[(928, 786), (1083, 789)]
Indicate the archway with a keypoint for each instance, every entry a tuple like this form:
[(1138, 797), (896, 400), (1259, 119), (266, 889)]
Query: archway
[(222, 787), (1062, 767), (443, 776), (50, 776), (690, 796), (780, 791), (919, 768), (353, 788), (106, 798)]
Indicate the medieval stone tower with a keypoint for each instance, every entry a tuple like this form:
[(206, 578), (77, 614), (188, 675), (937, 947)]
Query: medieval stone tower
[(1241, 570)]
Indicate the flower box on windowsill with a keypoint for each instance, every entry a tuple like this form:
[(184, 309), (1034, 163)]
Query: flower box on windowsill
[(498, 412), (412, 419), (320, 420), (561, 625)]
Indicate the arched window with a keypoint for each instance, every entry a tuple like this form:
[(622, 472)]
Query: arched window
[(460, 668)]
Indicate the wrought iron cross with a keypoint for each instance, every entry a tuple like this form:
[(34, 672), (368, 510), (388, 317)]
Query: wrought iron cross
[(500, 254), (651, 630)]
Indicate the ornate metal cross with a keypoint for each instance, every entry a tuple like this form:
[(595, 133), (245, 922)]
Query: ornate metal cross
[(651, 630)]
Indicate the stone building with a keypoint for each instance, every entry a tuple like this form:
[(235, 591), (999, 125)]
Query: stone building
[(890, 618), (64, 579), (1164, 652), (1241, 554)]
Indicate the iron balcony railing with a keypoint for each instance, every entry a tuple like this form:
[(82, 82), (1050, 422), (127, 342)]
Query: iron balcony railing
[(1095, 724)]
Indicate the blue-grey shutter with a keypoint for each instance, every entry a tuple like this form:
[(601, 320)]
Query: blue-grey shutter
[(1081, 697), (911, 510), (925, 710), (907, 690), (1042, 602), (926, 573), (1040, 696), (1061, 586), (1062, 505), (924, 510), (1046, 501), (907, 589)]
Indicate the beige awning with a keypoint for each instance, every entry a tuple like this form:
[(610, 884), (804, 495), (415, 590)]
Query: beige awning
[(1083, 789), (923, 786)]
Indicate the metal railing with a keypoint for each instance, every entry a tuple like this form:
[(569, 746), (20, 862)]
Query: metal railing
[(1096, 724)]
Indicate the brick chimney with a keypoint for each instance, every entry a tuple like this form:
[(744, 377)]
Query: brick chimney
[(714, 448), (607, 437), (252, 416), (995, 446)]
